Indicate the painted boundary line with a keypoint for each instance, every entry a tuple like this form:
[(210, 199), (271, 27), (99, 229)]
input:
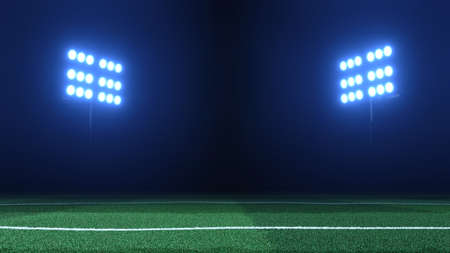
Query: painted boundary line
[(215, 228), (226, 203)]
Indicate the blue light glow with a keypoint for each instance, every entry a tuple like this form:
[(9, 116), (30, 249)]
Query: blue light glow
[(89, 85), (358, 61), (343, 66), (72, 54), (70, 90), (387, 51), (102, 63), (373, 80), (79, 92), (372, 92), (71, 74), (90, 59), (370, 57), (343, 84), (344, 98), (389, 87), (80, 76), (118, 68)]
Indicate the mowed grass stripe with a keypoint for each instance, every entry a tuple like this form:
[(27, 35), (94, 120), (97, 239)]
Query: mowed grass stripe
[(215, 228), (228, 241), (167, 216), (337, 203)]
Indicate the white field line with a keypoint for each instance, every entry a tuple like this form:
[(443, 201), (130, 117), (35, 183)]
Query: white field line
[(224, 203), (216, 228)]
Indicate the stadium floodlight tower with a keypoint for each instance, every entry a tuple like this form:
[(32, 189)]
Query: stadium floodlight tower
[(90, 79), (367, 77)]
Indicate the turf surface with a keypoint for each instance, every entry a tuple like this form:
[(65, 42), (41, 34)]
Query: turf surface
[(236, 214)]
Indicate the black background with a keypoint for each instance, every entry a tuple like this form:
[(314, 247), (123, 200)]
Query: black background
[(224, 96)]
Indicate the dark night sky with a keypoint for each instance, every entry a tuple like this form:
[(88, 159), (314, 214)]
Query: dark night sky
[(224, 96)]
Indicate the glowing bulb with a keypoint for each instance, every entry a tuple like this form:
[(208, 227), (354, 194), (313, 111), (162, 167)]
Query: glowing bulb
[(101, 97), (88, 94), (118, 68), (102, 63), (371, 76), (358, 79), (344, 98), (380, 89), (370, 57), (117, 100), (70, 90), (351, 96), (343, 66), (387, 51), (351, 82), (79, 92), (372, 92), (90, 59), (358, 61), (343, 83), (89, 78), (110, 66), (378, 54), (350, 63), (81, 57), (359, 95), (71, 74), (72, 54), (80, 76), (110, 84), (380, 73), (389, 87), (102, 82), (118, 85), (388, 71), (109, 98)]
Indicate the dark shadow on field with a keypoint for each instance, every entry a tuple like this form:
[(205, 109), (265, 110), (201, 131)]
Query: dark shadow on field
[(279, 239)]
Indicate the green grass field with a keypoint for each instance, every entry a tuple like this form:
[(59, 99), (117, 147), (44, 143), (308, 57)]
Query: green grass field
[(134, 213)]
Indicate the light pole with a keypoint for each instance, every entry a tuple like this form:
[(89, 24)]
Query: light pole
[(371, 122), (90, 80), (367, 78)]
